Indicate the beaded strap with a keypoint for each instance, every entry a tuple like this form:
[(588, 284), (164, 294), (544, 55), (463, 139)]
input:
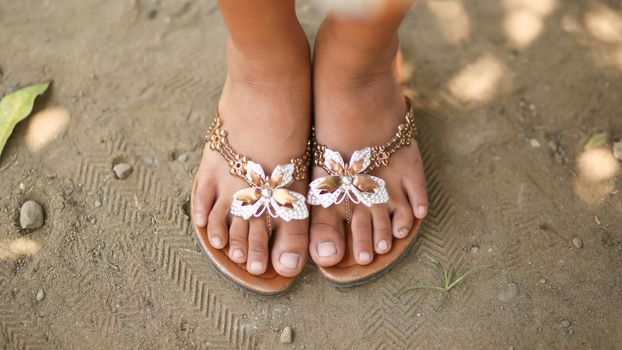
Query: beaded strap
[(406, 133), (217, 140), (268, 194)]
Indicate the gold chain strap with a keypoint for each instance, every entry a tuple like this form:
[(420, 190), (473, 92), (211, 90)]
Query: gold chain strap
[(217, 140), (406, 132)]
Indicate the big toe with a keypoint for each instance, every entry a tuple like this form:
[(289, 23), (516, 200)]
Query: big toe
[(327, 237), (291, 242)]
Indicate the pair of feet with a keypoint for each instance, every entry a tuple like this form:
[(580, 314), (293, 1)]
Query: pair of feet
[(266, 109)]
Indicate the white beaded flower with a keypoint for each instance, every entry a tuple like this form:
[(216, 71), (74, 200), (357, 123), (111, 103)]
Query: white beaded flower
[(347, 181), (267, 194)]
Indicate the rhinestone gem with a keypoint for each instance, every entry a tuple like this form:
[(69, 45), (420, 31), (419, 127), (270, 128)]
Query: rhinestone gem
[(346, 180), (266, 192)]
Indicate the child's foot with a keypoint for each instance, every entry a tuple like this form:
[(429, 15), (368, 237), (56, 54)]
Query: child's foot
[(358, 103), (265, 109)]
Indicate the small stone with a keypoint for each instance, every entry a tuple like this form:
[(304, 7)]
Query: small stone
[(21, 186), (98, 203), (577, 242), (542, 281), (122, 170), (149, 160), (31, 215), (509, 293), (606, 239), (475, 248), (566, 323), (93, 221), (152, 13), (286, 335), (617, 150), (182, 157), (534, 143), (40, 295), (596, 220)]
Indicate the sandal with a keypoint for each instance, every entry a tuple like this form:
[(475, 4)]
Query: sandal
[(350, 184), (267, 196)]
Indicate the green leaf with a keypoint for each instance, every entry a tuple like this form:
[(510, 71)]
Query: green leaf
[(419, 286), (597, 140), (16, 106), (434, 261), (464, 275), (443, 304)]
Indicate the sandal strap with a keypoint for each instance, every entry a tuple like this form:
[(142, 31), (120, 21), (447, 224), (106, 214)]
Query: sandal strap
[(267, 195), (405, 134), (216, 138)]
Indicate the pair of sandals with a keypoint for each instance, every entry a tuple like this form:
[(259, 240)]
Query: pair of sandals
[(347, 184)]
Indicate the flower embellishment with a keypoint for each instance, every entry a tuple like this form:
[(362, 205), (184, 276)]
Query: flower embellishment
[(347, 181), (268, 194)]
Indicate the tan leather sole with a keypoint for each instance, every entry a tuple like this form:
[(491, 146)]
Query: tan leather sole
[(270, 283), (349, 273)]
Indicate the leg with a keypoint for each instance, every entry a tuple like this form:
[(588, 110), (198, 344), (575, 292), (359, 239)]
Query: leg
[(359, 102), (265, 108)]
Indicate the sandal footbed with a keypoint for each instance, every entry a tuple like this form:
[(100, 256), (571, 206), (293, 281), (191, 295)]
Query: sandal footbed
[(348, 272), (269, 283)]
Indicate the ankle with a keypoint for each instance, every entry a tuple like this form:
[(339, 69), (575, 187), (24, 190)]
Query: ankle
[(353, 54), (289, 56)]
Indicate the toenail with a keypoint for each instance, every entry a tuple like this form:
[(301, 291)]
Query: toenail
[(382, 245), (199, 218), (256, 267), (325, 249), (289, 260), (216, 242), (421, 210), (363, 257), (237, 254), (403, 232)]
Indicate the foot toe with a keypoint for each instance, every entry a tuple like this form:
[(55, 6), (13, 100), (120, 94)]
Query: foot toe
[(362, 242), (289, 253), (203, 200), (382, 229), (327, 243), (415, 188), (238, 240), (257, 260), (217, 228), (403, 219)]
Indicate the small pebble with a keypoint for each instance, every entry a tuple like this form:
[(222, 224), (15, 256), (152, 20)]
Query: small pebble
[(606, 239), (98, 203), (509, 293), (21, 186), (93, 221), (577, 242), (40, 295), (542, 281), (31, 215), (566, 323), (183, 157), (286, 335), (474, 248), (149, 160), (122, 170), (617, 150), (152, 13), (596, 220), (534, 143)]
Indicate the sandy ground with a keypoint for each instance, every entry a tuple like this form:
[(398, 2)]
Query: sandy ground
[(508, 93)]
